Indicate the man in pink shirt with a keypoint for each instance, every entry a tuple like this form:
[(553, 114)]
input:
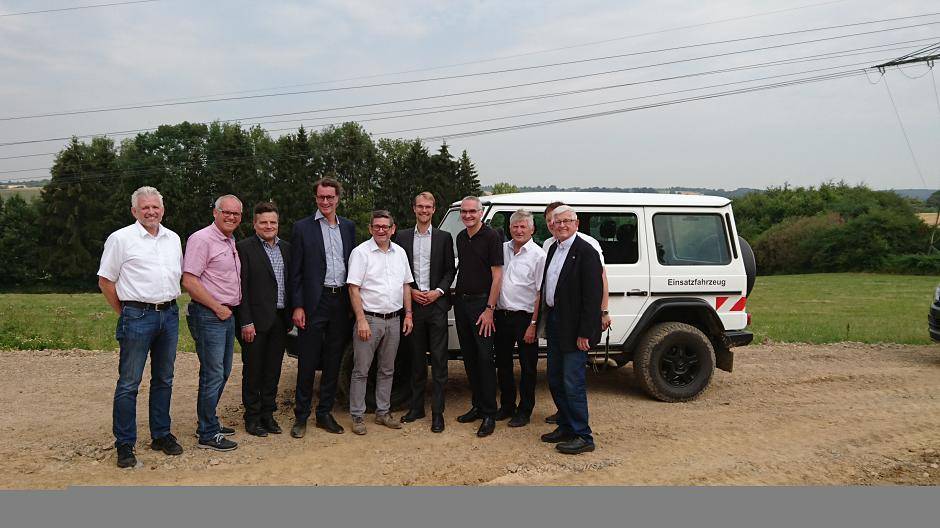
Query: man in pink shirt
[(212, 276)]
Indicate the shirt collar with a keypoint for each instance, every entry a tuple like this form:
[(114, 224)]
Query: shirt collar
[(511, 244), (567, 243), (277, 240), (219, 234), (375, 247), (319, 216), (142, 231), (418, 233)]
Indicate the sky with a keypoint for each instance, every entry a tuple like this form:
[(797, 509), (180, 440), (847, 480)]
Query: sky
[(353, 59)]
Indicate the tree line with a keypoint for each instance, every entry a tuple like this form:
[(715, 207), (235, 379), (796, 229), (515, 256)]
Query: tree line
[(55, 242)]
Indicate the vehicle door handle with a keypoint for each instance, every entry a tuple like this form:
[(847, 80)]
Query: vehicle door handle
[(637, 293)]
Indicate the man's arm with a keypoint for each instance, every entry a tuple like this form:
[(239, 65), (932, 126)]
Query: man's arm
[(362, 326), (407, 322), (109, 289), (591, 295), (245, 320), (199, 294), (530, 332), (295, 279), (485, 321)]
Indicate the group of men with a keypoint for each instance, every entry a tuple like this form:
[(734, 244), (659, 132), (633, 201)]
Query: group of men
[(328, 290)]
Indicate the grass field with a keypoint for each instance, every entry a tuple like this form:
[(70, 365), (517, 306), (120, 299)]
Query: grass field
[(28, 194), (821, 308)]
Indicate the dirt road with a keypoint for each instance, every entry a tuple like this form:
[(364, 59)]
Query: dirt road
[(789, 414)]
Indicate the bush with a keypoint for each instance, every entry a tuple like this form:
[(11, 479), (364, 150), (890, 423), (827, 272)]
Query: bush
[(913, 264), (790, 246)]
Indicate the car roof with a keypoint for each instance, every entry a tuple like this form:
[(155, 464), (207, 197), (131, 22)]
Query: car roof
[(576, 199)]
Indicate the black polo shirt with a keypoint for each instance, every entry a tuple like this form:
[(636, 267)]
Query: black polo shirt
[(477, 254)]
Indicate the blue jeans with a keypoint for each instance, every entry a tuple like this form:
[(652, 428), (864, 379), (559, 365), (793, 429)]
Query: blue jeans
[(566, 381), (215, 345), (139, 332)]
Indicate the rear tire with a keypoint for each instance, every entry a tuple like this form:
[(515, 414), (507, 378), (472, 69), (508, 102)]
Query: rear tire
[(674, 362), (750, 263)]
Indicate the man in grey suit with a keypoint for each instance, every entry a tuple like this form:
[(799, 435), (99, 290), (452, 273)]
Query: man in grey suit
[(431, 255)]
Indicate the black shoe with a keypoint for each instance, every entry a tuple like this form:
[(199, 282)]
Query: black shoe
[(552, 419), (255, 429), (328, 424), (168, 444), (411, 416), (226, 431), (575, 446), (558, 435), (504, 413), (218, 443), (519, 420), (270, 425), (125, 456), (470, 416), (437, 423), (299, 429), (487, 427)]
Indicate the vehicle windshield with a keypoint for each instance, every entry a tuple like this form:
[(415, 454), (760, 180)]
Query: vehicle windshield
[(453, 225)]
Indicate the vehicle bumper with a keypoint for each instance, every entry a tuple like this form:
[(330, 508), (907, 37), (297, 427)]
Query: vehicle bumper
[(933, 321), (736, 338)]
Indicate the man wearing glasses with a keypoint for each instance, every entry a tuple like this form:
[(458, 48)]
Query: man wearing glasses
[(212, 276), (479, 274), (320, 248), (379, 281)]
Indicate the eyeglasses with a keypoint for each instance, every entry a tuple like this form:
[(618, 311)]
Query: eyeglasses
[(229, 213), (321, 198), (381, 227), (566, 221)]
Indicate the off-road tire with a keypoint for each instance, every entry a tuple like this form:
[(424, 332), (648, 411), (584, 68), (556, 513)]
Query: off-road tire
[(674, 362), (750, 263)]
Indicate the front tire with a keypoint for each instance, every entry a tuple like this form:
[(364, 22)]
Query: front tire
[(674, 362)]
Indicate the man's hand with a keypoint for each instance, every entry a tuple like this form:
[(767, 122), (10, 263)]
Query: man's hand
[(363, 330), (419, 297), (485, 322), (299, 318), (223, 313), (248, 333), (407, 325), (605, 322), (583, 344), (433, 295), (529, 336)]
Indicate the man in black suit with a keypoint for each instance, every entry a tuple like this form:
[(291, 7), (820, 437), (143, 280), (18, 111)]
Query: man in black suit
[(320, 248), (431, 255), (572, 292), (263, 318)]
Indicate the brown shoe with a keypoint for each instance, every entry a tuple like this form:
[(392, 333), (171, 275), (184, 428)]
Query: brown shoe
[(388, 421), (358, 425)]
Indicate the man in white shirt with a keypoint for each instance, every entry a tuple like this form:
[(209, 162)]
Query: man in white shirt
[(379, 279), (605, 315), (139, 276), (516, 317)]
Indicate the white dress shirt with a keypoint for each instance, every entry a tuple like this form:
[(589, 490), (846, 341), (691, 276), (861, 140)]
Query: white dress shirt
[(380, 275), (522, 276), (145, 268), (554, 270), (587, 238), (421, 249)]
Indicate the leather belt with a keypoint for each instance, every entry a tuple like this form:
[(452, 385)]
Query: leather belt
[(157, 307), (333, 289), (472, 295), (382, 316)]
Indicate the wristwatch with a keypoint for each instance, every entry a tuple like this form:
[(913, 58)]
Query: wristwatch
[(491, 307), (605, 312)]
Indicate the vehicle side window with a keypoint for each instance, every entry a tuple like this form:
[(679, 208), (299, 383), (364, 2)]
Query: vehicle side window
[(500, 222), (690, 239), (616, 233), (452, 224)]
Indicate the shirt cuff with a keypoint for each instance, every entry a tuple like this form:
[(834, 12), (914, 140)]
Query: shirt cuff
[(440, 290)]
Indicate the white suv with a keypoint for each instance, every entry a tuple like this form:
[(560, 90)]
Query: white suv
[(678, 276)]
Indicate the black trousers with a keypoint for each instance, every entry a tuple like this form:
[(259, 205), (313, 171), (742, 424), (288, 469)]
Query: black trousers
[(321, 345), (510, 332), (477, 352), (428, 335), (261, 369)]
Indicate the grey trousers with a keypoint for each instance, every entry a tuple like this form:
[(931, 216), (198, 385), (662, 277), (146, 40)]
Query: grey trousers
[(386, 334)]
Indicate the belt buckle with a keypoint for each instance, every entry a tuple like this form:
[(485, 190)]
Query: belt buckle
[(156, 307)]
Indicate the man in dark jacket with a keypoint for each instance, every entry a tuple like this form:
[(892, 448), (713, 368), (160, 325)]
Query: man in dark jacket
[(263, 319), (572, 294)]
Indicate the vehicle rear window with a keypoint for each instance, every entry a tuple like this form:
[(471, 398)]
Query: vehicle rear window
[(690, 239)]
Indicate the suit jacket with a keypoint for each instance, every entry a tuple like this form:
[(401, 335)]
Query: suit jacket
[(307, 269), (443, 269), (577, 295), (259, 286)]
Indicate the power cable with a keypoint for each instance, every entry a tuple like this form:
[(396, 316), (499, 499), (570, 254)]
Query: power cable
[(904, 132), (462, 76), (76, 8)]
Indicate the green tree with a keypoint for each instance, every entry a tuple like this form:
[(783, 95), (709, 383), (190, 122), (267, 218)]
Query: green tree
[(19, 243), (504, 188)]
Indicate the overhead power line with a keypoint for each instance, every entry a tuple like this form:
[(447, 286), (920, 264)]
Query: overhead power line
[(907, 139), (76, 8), (493, 102), (461, 76)]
